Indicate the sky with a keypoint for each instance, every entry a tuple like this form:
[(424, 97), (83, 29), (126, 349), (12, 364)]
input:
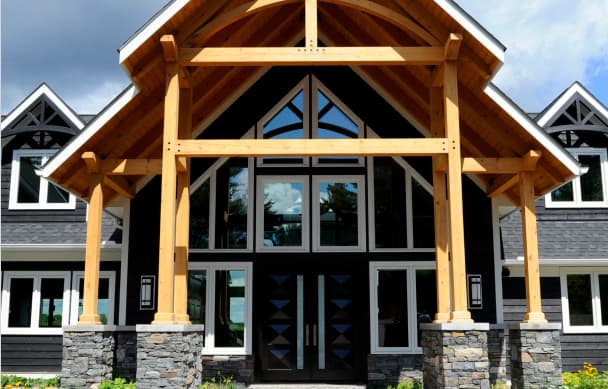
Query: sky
[(73, 47)]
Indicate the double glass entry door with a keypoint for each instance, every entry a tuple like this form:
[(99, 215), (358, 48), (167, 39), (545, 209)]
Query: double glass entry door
[(309, 326)]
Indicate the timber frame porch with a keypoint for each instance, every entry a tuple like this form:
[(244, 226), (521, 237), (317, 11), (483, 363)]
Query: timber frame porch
[(180, 60)]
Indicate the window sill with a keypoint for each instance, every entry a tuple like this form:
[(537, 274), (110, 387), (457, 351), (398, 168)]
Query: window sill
[(32, 331)]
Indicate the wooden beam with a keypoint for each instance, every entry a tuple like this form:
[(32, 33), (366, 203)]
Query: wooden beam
[(530, 159), (218, 148), (181, 163), (452, 47), (311, 23), (166, 250), (92, 256), (169, 48), (131, 167), (120, 185), (92, 161), (182, 217), (502, 184), (460, 312), (437, 77), (440, 215), (534, 313), (301, 56)]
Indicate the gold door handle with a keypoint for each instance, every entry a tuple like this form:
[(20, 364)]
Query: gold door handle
[(306, 336), (314, 335)]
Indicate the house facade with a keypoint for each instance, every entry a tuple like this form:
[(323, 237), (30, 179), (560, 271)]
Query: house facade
[(288, 210), (572, 233)]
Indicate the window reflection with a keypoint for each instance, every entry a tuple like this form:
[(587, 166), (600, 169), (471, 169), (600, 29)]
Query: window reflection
[(51, 302), (231, 205), (230, 308), (338, 214), (197, 290), (103, 299), (199, 217), (283, 214)]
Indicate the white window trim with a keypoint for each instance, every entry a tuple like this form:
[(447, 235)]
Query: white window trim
[(211, 268), (211, 174), (411, 268), (316, 210), (302, 179), (76, 277), (44, 184), (409, 174), (576, 186), (302, 85), (34, 329), (596, 303), (318, 85)]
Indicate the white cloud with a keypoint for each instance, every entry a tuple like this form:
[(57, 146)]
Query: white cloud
[(550, 44), (286, 197)]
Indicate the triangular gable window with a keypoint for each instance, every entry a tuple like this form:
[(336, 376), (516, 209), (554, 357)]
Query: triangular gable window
[(577, 116)]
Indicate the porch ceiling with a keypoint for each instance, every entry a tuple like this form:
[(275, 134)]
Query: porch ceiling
[(131, 127)]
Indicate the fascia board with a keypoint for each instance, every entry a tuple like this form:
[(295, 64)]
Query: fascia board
[(148, 29), (533, 129), (42, 90), (91, 129)]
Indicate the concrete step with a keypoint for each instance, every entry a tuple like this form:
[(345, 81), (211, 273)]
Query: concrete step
[(304, 386)]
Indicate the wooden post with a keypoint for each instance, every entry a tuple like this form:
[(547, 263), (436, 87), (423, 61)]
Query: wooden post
[(311, 23), (441, 229), (460, 312), (92, 256), (183, 215), (534, 313), (166, 252)]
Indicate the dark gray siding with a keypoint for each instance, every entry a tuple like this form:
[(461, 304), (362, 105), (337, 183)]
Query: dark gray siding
[(31, 354), (576, 348)]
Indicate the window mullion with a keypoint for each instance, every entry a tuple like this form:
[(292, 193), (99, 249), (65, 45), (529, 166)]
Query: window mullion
[(35, 314), (596, 303), (210, 314), (409, 210)]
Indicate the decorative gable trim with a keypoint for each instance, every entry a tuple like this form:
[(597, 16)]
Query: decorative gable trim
[(566, 98)]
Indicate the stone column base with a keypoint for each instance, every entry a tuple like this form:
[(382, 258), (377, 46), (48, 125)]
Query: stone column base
[(169, 356), (455, 355), (536, 356), (88, 355)]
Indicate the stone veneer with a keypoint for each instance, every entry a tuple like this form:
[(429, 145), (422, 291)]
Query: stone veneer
[(169, 356), (455, 355), (238, 367), (126, 352), (499, 354), (390, 369), (88, 355), (535, 355)]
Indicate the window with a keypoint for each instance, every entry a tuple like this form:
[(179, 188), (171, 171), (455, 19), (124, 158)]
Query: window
[(105, 296), (219, 296), (30, 191), (401, 207), (35, 303), (338, 213), (221, 207), (584, 301), (402, 296), (589, 190), (285, 207)]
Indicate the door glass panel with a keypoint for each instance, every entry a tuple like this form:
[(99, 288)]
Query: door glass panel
[(389, 204), (199, 217), (103, 299), (591, 182), (579, 299), (338, 318), (603, 280), (231, 205), (230, 308), (51, 302), (338, 214), (197, 295), (20, 304), (392, 308), (426, 297), (283, 214), (29, 181)]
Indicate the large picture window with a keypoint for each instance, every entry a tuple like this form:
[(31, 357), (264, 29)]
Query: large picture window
[(35, 303), (28, 190), (589, 190), (402, 295), (584, 301), (219, 296), (105, 296)]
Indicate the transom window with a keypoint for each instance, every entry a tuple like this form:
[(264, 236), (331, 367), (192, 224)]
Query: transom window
[(35, 303), (584, 301), (402, 295), (589, 190), (30, 191), (219, 296)]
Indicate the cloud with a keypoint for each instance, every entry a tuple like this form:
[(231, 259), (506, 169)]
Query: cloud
[(286, 197), (550, 44)]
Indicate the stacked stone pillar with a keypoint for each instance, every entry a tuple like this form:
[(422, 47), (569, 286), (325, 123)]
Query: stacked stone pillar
[(536, 360), (455, 355), (88, 355), (169, 356)]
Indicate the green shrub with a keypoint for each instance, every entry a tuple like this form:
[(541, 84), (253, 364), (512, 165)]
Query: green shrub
[(219, 382), (117, 383), (12, 381), (587, 378), (415, 384)]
